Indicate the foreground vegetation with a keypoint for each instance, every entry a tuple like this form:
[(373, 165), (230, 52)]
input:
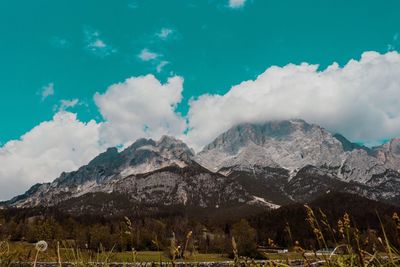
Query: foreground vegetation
[(26, 252), (365, 236)]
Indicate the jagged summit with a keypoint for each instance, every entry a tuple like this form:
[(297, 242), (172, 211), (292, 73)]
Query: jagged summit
[(350, 146), (146, 155), (143, 156), (275, 163), (389, 153), (290, 144), (257, 133)]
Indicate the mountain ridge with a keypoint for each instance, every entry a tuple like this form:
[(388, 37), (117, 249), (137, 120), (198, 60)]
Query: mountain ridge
[(270, 164)]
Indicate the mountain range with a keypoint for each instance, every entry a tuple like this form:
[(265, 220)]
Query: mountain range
[(262, 165)]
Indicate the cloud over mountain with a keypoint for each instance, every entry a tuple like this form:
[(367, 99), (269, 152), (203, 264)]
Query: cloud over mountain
[(61, 144), (140, 107), (359, 100)]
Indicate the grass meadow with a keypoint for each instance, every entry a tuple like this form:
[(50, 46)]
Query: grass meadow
[(348, 250)]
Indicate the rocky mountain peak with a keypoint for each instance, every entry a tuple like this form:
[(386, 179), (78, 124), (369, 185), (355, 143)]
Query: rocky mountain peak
[(258, 133), (142, 156), (290, 144), (147, 155), (350, 146), (278, 161), (176, 146), (169, 141), (395, 147), (104, 158), (389, 153)]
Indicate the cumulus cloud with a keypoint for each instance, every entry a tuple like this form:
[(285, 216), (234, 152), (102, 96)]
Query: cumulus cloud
[(147, 55), (236, 3), (359, 100), (140, 107), (47, 90), (61, 144)]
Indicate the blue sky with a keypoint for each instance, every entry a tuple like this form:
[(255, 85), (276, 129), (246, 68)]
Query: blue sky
[(211, 45), (79, 76)]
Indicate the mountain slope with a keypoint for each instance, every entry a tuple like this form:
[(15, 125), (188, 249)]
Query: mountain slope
[(317, 160), (288, 144), (265, 165), (148, 172), (144, 155)]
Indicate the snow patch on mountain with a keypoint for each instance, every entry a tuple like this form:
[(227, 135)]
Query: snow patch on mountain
[(263, 202)]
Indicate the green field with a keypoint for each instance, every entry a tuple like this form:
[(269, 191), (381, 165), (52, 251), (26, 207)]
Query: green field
[(26, 252)]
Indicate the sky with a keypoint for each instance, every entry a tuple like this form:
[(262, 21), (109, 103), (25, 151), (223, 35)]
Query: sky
[(77, 77)]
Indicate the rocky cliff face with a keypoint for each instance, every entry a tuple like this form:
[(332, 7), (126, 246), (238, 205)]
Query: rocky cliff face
[(143, 156), (315, 160), (287, 144), (267, 164)]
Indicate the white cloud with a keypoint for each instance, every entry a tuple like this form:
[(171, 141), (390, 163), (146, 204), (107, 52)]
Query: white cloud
[(161, 65), (236, 3), (47, 90), (156, 60), (96, 45), (164, 33), (61, 144), (66, 104), (147, 55), (360, 100), (140, 107)]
